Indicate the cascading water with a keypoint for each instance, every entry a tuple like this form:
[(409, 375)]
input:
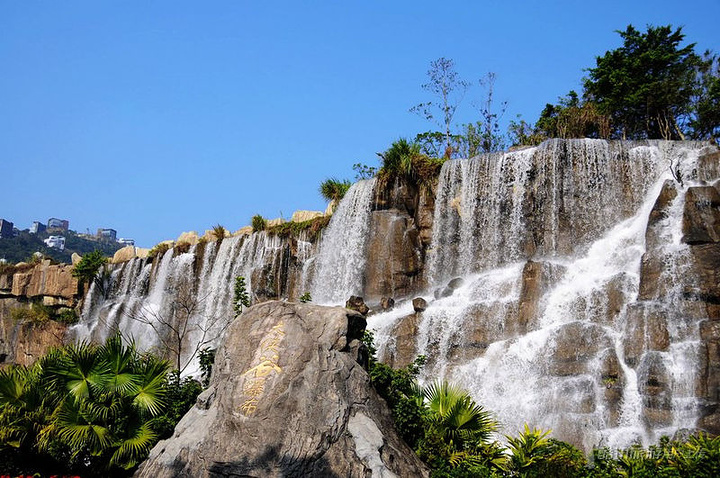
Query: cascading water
[(553, 322), (190, 290), (340, 261), (561, 359)]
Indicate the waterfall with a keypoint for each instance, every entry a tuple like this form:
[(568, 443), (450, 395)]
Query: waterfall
[(586, 358), (340, 261), (549, 200), (553, 322)]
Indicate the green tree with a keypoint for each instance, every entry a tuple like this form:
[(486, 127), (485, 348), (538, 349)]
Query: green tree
[(572, 118), (92, 268), (646, 86), (448, 90), (706, 121)]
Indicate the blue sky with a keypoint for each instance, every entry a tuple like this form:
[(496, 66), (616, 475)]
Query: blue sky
[(159, 117)]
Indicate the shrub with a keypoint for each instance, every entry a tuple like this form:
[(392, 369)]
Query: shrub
[(67, 316), (207, 359), (305, 298), (181, 248), (219, 232), (258, 223), (159, 249), (405, 159), (36, 314)]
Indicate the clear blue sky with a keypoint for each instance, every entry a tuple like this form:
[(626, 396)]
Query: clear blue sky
[(158, 117)]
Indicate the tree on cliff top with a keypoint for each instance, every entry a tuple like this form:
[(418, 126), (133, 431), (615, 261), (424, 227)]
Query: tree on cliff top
[(91, 268), (647, 85), (449, 90)]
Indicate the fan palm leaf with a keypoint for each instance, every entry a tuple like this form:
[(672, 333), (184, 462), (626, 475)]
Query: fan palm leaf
[(134, 448), (150, 388)]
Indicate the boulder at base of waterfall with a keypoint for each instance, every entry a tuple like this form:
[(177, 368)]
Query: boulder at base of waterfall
[(419, 304), (357, 304), (387, 303), (287, 398)]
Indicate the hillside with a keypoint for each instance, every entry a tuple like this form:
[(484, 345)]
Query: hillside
[(21, 247)]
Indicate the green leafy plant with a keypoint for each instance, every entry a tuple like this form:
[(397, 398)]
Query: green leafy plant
[(88, 408), (258, 223), (363, 171), (241, 299), (207, 359), (305, 298), (67, 316), (527, 449)]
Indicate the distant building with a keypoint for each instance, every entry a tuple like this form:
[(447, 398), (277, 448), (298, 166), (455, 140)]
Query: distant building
[(107, 234), (37, 227), (6, 229), (55, 223), (58, 242), (126, 242)]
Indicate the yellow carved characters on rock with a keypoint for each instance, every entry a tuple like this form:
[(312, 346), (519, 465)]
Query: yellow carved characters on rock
[(265, 366)]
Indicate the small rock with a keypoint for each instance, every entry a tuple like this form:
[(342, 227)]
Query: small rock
[(441, 293), (357, 304), (419, 304), (456, 283), (387, 303)]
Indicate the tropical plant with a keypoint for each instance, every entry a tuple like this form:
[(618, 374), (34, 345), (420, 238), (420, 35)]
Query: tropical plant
[(89, 408), (527, 450), (333, 189), (305, 298), (219, 232), (398, 159), (456, 417)]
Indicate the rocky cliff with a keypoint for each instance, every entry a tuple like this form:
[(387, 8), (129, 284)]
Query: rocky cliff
[(287, 398), (580, 275), (52, 286)]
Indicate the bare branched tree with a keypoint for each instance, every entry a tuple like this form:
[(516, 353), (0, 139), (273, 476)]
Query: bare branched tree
[(182, 330)]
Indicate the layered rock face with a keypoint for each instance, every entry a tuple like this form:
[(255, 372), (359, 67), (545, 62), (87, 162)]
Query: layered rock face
[(52, 286), (287, 398)]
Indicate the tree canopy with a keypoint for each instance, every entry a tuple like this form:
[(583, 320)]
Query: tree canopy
[(646, 86)]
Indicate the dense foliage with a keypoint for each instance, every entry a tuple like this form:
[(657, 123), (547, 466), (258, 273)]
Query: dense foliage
[(92, 410), (651, 87)]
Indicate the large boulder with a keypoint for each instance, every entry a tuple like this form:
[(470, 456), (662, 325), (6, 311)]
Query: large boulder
[(287, 398)]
